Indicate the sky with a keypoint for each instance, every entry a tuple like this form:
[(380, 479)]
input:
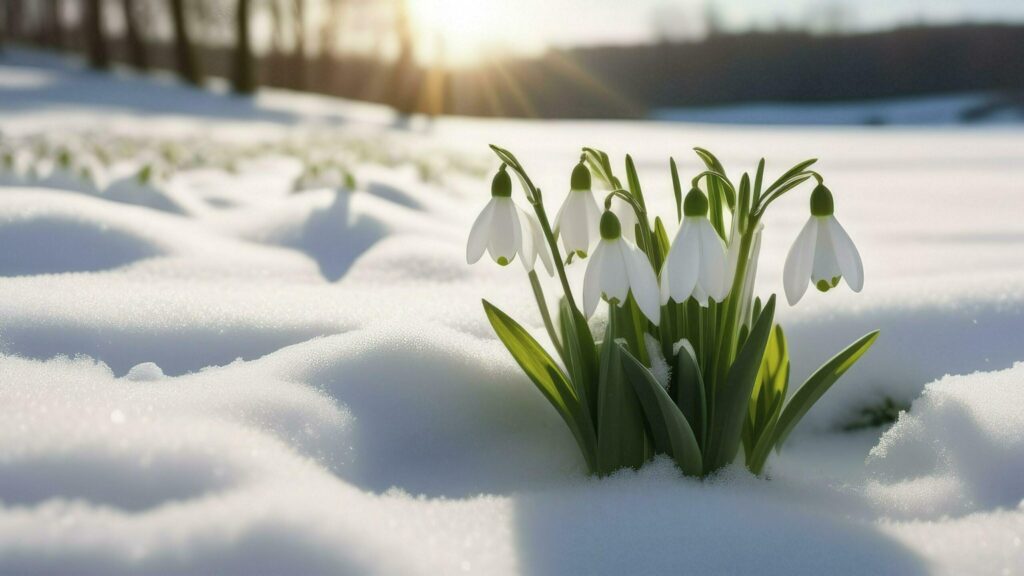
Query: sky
[(472, 27)]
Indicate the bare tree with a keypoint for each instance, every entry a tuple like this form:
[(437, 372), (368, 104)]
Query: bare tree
[(243, 78), (95, 36), (136, 47), (330, 28), (299, 29), (54, 35), (402, 83), (184, 51)]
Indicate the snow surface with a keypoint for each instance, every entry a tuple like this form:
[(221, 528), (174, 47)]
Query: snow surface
[(968, 108), (217, 374)]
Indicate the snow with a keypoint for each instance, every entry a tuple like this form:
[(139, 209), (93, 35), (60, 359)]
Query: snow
[(967, 108), (218, 373)]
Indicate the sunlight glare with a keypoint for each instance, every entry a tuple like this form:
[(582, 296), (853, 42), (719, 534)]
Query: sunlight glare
[(459, 32)]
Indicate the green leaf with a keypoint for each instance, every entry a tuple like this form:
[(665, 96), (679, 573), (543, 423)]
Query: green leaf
[(505, 156), (715, 165), (766, 401), (634, 182), (677, 189), (758, 179), (689, 392), (547, 376), (671, 433), (732, 397), (791, 173), (621, 439), (597, 161), (819, 383), (581, 356)]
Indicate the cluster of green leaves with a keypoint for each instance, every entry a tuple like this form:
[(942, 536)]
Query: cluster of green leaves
[(728, 387)]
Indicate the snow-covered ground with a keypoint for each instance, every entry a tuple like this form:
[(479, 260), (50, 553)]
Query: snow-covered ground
[(216, 374), (969, 108)]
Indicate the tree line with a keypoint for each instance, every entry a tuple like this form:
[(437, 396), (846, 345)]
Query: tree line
[(214, 38)]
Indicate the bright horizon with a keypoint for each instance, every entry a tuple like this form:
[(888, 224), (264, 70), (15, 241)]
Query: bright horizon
[(466, 32)]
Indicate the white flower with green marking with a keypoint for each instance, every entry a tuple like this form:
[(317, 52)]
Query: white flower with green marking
[(696, 264), (822, 253), (618, 268), (578, 220), (504, 230)]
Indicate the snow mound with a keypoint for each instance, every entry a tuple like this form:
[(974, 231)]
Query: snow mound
[(47, 233), (959, 450)]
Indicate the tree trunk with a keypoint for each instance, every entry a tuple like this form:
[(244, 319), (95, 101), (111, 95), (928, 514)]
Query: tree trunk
[(53, 24), (136, 48), (188, 64), (243, 80), (299, 56), (402, 85), (99, 58)]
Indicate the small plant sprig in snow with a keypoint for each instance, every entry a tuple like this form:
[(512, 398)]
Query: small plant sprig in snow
[(689, 302)]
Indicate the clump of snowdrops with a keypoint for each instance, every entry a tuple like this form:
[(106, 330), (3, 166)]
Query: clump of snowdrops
[(691, 364)]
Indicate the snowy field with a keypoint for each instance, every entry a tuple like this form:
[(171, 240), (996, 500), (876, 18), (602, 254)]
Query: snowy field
[(214, 373), (971, 108)]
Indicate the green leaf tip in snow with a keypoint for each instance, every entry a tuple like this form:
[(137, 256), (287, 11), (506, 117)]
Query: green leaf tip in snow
[(815, 387), (546, 375)]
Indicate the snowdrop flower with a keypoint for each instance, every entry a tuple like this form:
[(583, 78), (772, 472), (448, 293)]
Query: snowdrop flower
[(696, 263), (579, 218), (617, 268), (504, 230), (822, 253)]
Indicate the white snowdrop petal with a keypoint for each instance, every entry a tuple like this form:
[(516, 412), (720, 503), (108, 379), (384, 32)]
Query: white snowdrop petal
[(712, 262), (593, 219), (574, 224), (825, 266), (700, 295), (799, 262), (479, 235), (528, 246), (592, 281), (847, 255), (506, 236), (614, 282), (642, 282), (540, 243), (682, 266)]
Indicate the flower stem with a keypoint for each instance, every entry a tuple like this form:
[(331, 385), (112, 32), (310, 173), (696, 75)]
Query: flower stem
[(538, 293)]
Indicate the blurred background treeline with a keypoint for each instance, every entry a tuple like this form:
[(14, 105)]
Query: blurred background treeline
[(379, 51)]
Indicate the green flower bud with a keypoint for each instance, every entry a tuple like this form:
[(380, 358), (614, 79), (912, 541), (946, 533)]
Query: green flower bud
[(695, 204), (580, 177), (501, 186), (822, 203), (610, 227)]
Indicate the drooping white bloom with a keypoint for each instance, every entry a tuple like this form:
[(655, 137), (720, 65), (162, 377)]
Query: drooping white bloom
[(618, 268), (696, 263), (822, 253), (504, 230), (579, 218)]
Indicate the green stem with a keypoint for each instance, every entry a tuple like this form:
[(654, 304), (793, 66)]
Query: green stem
[(729, 330), (538, 293)]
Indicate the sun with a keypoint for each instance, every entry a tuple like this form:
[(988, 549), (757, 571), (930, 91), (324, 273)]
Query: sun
[(457, 32)]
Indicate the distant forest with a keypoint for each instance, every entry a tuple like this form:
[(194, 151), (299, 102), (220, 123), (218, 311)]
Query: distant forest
[(601, 82)]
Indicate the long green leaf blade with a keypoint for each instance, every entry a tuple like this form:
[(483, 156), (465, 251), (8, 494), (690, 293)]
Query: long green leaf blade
[(672, 434), (621, 439), (690, 391), (546, 376), (819, 383), (733, 396)]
